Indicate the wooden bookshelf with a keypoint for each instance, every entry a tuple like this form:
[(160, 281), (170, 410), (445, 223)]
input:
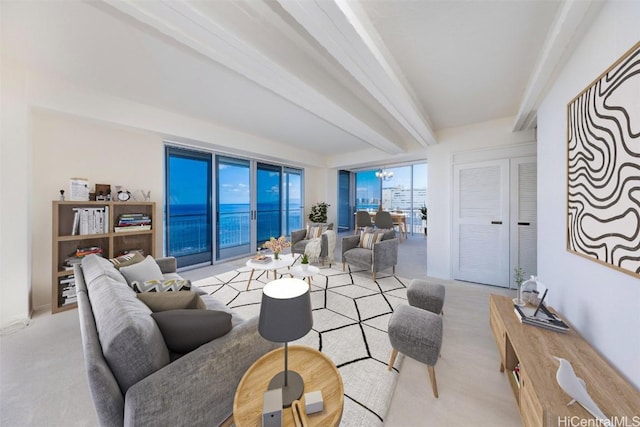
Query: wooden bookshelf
[(65, 244), (540, 399)]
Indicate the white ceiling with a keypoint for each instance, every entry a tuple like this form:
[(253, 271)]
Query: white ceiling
[(327, 76)]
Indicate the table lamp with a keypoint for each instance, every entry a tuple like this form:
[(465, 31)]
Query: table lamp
[(285, 315)]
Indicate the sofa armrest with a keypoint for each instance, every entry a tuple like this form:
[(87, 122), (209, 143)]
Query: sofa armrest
[(197, 389), (349, 243), (385, 254), (167, 264), (298, 235)]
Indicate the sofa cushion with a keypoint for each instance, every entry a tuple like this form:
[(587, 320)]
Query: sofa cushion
[(94, 266), (142, 271), (359, 256), (171, 285), (185, 330), (172, 300), (130, 258), (367, 240), (315, 229), (131, 340)]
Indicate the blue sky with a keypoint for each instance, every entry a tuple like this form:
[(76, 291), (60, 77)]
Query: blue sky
[(188, 178)]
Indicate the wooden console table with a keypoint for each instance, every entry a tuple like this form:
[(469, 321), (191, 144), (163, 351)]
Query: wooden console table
[(540, 399)]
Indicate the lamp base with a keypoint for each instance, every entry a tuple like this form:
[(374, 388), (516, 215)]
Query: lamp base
[(293, 391)]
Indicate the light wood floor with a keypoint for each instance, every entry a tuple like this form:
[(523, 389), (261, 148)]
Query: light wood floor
[(43, 383)]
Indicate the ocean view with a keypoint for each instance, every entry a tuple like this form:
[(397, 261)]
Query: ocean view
[(190, 227)]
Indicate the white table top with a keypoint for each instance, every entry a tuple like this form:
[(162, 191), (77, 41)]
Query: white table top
[(298, 272), (285, 260)]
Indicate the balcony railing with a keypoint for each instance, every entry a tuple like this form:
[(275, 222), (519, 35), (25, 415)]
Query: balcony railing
[(191, 234)]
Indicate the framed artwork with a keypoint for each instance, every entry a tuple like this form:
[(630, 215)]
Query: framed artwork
[(603, 169)]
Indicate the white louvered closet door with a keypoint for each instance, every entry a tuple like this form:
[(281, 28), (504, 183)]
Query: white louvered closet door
[(481, 222), (524, 216)]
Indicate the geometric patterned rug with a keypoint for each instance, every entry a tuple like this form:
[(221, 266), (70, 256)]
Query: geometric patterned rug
[(350, 317)]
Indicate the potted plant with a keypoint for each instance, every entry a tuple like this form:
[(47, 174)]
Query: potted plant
[(304, 262), (319, 212), (423, 216)]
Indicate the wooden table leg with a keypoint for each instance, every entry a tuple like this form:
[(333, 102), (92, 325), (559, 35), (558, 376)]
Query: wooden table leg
[(250, 277)]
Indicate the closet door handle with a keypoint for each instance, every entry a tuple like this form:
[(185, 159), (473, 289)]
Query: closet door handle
[(524, 223), (496, 222)]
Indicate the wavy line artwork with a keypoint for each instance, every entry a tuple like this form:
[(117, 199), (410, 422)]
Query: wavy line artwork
[(603, 133)]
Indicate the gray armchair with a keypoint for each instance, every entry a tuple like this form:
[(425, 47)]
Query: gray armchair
[(299, 242), (383, 255)]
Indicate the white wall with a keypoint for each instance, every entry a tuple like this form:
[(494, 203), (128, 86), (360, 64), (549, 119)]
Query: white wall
[(66, 147), (478, 142), (15, 185), (600, 302)]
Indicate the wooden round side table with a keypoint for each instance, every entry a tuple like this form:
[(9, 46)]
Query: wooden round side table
[(318, 373)]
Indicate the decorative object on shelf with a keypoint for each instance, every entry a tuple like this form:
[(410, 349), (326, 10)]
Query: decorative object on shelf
[(79, 190), (62, 195), (518, 277), (319, 212), (124, 196), (304, 262), (146, 195), (384, 174), (529, 291), (577, 389), (602, 205), (102, 192), (277, 245), (285, 315)]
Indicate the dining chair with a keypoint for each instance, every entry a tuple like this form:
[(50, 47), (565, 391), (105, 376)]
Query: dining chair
[(384, 220), (363, 220)]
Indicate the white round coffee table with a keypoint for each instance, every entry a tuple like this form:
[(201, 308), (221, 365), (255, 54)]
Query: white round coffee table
[(282, 262), (299, 271)]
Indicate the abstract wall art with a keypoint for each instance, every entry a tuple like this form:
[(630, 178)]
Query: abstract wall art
[(603, 196)]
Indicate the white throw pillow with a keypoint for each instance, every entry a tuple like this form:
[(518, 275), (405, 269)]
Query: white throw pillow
[(142, 271)]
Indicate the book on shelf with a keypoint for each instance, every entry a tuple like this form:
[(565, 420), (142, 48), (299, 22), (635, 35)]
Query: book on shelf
[(128, 228), (541, 317), (90, 221)]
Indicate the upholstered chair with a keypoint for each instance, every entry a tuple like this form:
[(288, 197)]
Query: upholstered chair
[(372, 251), (301, 238), (363, 220)]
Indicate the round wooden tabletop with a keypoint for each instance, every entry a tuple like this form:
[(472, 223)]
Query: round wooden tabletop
[(318, 373)]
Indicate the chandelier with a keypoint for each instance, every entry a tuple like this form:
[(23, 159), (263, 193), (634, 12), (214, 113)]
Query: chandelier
[(383, 174)]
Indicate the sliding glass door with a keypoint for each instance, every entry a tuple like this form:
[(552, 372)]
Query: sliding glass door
[(269, 186), (226, 210), (345, 208), (293, 208), (233, 207), (188, 206)]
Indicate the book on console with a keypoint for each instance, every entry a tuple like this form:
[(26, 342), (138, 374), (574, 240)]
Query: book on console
[(541, 317)]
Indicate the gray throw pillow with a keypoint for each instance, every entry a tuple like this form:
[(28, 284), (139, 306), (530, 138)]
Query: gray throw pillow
[(162, 301), (140, 272), (186, 330)]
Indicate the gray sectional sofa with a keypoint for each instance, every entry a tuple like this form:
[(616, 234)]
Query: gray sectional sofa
[(134, 379)]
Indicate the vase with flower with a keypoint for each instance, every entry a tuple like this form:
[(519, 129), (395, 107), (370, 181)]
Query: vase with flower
[(518, 277), (276, 245)]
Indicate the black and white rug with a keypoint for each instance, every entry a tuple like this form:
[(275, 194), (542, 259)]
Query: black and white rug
[(350, 317)]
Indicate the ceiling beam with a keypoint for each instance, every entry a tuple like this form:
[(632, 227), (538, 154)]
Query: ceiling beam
[(184, 23), (567, 26), (348, 36)]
